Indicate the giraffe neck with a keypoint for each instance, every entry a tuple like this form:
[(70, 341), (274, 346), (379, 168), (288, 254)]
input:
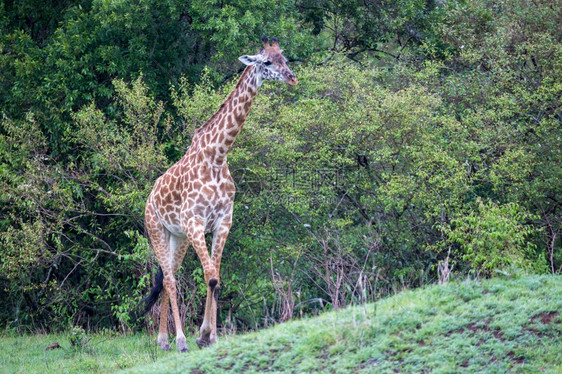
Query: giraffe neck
[(219, 133)]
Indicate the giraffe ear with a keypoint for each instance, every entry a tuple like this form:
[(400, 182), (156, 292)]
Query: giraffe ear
[(250, 60)]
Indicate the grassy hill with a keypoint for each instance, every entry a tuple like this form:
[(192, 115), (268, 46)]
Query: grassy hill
[(490, 326), (494, 326)]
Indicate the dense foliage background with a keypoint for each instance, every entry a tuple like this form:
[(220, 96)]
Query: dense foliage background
[(424, 138)]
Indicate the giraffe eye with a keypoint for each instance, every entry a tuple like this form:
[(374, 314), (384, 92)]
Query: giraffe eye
[(267, 63)]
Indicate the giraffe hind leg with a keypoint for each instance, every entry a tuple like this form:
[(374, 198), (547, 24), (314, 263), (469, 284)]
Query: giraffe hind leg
[(163, 328), (151, 299), (170, 285), (178, 247), (165, 247)]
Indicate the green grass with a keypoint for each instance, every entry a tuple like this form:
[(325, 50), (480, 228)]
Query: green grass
[(103, 353), (494, 326)]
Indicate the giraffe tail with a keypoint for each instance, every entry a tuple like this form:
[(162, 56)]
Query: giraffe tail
[(152, 298)]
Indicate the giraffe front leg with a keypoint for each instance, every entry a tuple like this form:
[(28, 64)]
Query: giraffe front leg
[(206, 339), (196, 234), (219, 240)]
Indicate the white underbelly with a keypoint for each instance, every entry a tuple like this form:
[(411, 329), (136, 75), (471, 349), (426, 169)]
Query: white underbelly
[(174, 229)]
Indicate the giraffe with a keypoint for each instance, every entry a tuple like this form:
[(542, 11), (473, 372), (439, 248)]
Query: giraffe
[(195, 196)]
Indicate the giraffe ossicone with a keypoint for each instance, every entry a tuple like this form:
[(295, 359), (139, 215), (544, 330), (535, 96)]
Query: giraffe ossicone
[(196, 195)]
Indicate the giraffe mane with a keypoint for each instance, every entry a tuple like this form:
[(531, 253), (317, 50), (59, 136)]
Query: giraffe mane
[(224, 103)]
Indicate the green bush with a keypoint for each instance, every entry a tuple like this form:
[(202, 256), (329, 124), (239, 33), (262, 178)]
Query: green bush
[(437, 135), (496, 237)]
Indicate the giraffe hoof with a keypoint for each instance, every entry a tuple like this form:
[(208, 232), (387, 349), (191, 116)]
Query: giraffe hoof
[(213, 283), (202, 342), (181, 344), (163, 342)]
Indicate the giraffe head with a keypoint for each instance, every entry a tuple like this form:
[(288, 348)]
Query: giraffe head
[(270, 63)]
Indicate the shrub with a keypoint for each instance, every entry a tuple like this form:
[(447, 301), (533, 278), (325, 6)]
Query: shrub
[(494, 237)]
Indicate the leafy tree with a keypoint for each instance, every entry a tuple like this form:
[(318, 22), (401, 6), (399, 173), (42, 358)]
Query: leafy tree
[(352, 184), (367, 28)]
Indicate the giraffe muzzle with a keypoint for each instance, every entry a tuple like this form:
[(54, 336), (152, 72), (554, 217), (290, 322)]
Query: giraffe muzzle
[(291, 80)]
